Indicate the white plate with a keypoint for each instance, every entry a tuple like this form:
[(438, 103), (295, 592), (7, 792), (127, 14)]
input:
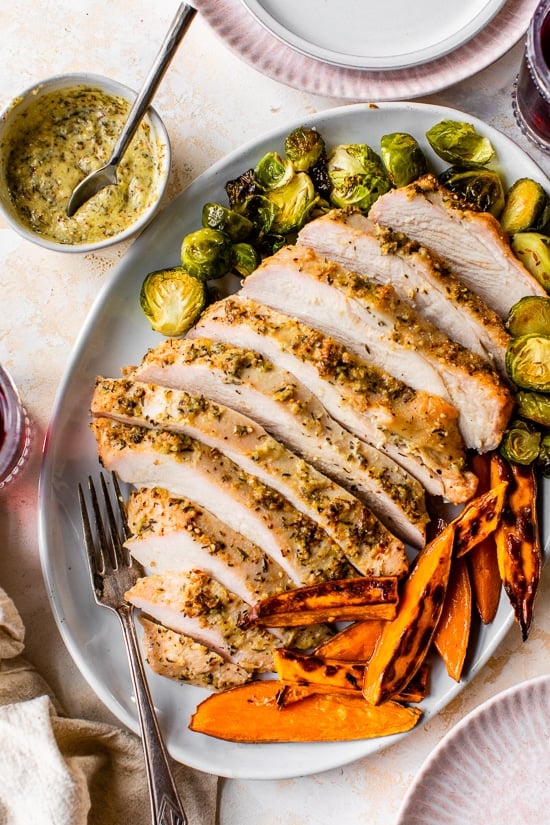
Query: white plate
[(492, 767), (259, 47), (117, 334), (395, 34)]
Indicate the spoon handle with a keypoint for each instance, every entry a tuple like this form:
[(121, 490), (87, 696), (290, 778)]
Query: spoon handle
[(180, 24)]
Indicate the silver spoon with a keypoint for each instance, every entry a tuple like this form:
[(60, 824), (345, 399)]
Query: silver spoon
[(107, 174)]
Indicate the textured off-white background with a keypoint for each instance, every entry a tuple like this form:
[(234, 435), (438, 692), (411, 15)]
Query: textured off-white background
[(211, 102)]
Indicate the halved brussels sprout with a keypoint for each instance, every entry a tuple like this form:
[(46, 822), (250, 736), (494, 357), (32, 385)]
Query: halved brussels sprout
[(530, 315), (206, 253), (245, 258), (360, 192), (172, 300), (273, 171), (293, 203), (270, 244), (236, 226), (533, 250), (241, 189), (357, 175), (535, 406), (402, 157), (482, 188), (304, 147), (460, 144), (526, 207), (261, 211), (528, 362), (354, 159), (521, 443)]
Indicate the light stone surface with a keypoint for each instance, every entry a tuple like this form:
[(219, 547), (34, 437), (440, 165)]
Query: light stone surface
[(211, 102)]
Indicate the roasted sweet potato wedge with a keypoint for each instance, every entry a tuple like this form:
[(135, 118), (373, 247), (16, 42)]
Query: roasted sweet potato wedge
[(364, 597), (485, 578), (356, 642), (251, 713), (479, 518), (415, 691), (453, 629), (517, 539), (482, 560), (290, 693), (292, 666), (417, 688), (481, 467), (406, 640)]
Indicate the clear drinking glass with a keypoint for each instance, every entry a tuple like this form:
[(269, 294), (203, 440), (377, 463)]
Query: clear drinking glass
[(531, 95), (15, 430)]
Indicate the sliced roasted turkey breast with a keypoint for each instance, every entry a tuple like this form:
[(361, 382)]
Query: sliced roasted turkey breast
[(471, 243)]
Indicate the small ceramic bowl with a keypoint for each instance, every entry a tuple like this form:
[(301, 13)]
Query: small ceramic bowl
[(16, 117), (15, 430)]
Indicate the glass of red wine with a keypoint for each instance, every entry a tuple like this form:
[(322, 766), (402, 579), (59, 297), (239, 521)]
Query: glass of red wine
[(15, 430), (531, 96)]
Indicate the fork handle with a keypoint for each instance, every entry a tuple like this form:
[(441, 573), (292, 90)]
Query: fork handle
[(166, 807), (178, 28)]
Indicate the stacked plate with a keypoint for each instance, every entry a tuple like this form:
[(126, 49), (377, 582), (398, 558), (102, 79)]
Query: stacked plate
[(364, 50)]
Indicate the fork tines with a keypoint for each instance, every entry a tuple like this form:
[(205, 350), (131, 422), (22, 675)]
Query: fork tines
[(111, 529)]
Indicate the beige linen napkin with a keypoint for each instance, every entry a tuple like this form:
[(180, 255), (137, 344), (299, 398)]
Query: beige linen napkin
[(60, 771)]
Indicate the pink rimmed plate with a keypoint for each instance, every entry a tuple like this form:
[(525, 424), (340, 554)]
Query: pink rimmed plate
[(269, 54), (492, 767)]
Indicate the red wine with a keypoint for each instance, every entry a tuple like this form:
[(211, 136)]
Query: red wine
[(545, 41), (532, 92), (2, 419)]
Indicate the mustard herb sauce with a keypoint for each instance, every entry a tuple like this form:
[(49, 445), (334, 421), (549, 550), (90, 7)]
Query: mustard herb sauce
[(60, 139)]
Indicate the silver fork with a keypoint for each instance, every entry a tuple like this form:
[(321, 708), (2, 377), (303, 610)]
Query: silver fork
[(112, 573)]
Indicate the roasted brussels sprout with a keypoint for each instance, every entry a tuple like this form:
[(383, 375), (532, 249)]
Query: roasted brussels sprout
[(269, 244), (273, 171), (236, 226), (460, 144), (402, 157), (528, 362), (543, 459), (357, 175), (526, 207), (533, 250), (241, 189), (304, 147), (206, 253), (172, 300), (535, 406), (245, 258), (530, 315), (521, 443), (261, 211), (293, 203), (481, 188)]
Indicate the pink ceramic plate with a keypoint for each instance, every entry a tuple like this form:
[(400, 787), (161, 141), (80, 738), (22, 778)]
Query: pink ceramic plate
[(492, 767), (238, 28)]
